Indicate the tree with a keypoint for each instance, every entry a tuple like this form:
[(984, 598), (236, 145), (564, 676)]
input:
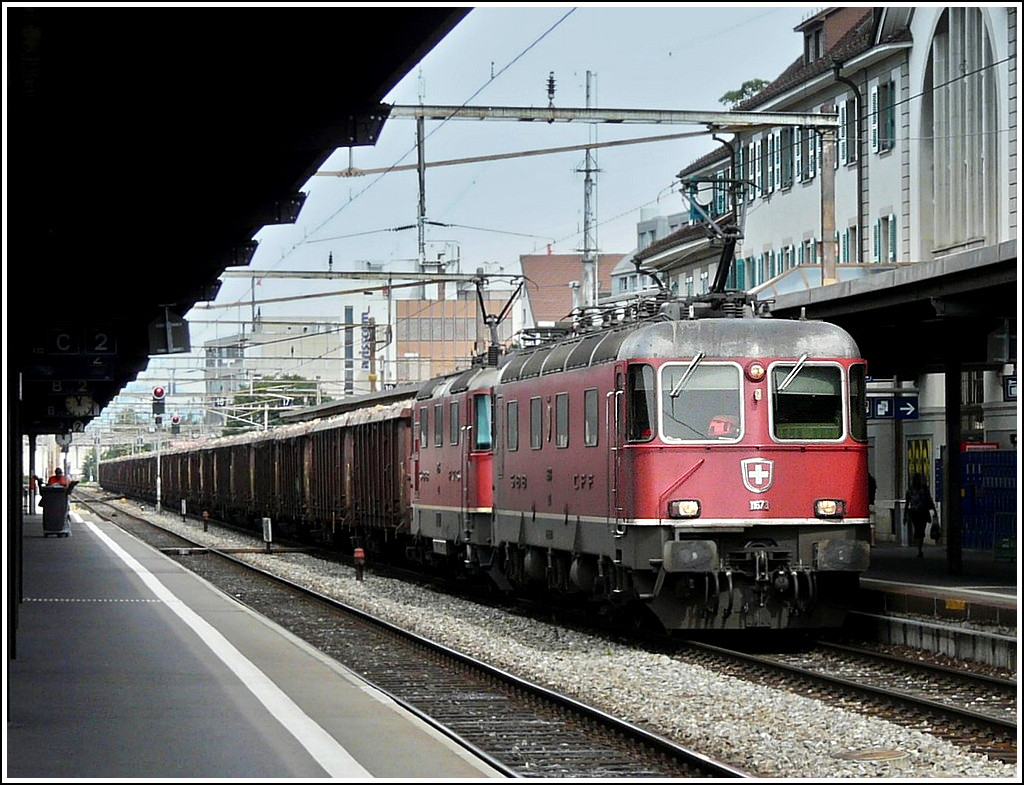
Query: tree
[(748, 89)]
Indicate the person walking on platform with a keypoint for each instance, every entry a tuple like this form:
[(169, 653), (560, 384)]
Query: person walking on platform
[(918, 509)]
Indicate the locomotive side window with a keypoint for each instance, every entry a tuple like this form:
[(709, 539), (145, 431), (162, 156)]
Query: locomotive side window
[(700, 401), (562, 420), (424, 428), (590, 415), (807, 401), (512, 425), (640, 394), (453, 422), (438, 425), (858, 403), (482, 422), (536, 423)]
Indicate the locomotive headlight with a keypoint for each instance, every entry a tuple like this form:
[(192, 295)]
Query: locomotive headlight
[(829, 508), (755, 371), (684, 508)]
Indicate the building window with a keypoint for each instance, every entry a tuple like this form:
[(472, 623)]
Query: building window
[(814, 44), (805, 153), (960, 144), (883, 116), (885, 239), (738, 274), (786, 152), (848, 136), (721, 201)]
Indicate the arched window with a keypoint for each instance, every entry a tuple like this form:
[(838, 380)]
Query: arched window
[(960, 99)]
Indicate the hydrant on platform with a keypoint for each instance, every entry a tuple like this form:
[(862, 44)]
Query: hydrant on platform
[(359, 559)]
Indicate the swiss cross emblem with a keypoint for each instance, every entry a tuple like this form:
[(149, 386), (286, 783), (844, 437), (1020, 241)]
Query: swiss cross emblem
[(758, 474)]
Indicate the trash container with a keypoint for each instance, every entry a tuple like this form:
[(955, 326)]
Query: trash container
[(54, 500)]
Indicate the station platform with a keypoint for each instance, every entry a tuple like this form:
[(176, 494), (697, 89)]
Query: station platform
[(970, 615), (984, 591), (125, 665)]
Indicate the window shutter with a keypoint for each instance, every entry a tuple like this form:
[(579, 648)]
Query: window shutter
[(877, 250), (846, 245), (740, 155), (811, 150), (800, 254), (841, 152), (874, 120), (799, 145), (778, 159), (758, 179), (892, 238), (752, 173), (853, 130), (890, 116)]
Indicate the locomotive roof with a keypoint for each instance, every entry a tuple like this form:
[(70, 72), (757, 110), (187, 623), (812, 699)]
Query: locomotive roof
[(742, 337), (459, 382)]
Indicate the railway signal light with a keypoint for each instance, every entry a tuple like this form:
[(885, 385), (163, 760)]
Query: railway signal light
[(175, 424), (158, 401)]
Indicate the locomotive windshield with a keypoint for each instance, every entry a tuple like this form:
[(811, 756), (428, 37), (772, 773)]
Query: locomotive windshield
[(700, 402), (807, 401)]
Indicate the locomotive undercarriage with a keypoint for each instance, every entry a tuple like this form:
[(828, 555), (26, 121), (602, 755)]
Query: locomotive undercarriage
[(803, 582), (768, 577)]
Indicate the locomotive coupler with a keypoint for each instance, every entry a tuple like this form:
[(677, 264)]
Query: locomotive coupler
[(762, 576)]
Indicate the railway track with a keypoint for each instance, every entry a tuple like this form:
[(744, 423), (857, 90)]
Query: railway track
[(522, 728), (971, 710)]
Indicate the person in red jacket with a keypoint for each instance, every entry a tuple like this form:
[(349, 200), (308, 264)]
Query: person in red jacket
[(57, 478)]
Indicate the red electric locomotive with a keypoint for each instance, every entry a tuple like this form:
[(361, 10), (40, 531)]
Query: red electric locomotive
[(711, 469)]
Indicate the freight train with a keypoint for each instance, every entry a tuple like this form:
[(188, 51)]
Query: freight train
[(703, 464)]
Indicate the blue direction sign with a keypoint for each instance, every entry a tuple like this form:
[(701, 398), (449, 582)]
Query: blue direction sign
[(882, 407), (906, 407)]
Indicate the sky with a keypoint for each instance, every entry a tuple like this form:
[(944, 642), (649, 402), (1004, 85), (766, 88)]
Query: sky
[(662, 56)]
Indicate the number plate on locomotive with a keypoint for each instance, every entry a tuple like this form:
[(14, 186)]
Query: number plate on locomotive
[(759, 504)]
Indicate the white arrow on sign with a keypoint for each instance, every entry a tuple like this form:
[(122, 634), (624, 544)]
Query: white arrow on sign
[(907, 408)]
